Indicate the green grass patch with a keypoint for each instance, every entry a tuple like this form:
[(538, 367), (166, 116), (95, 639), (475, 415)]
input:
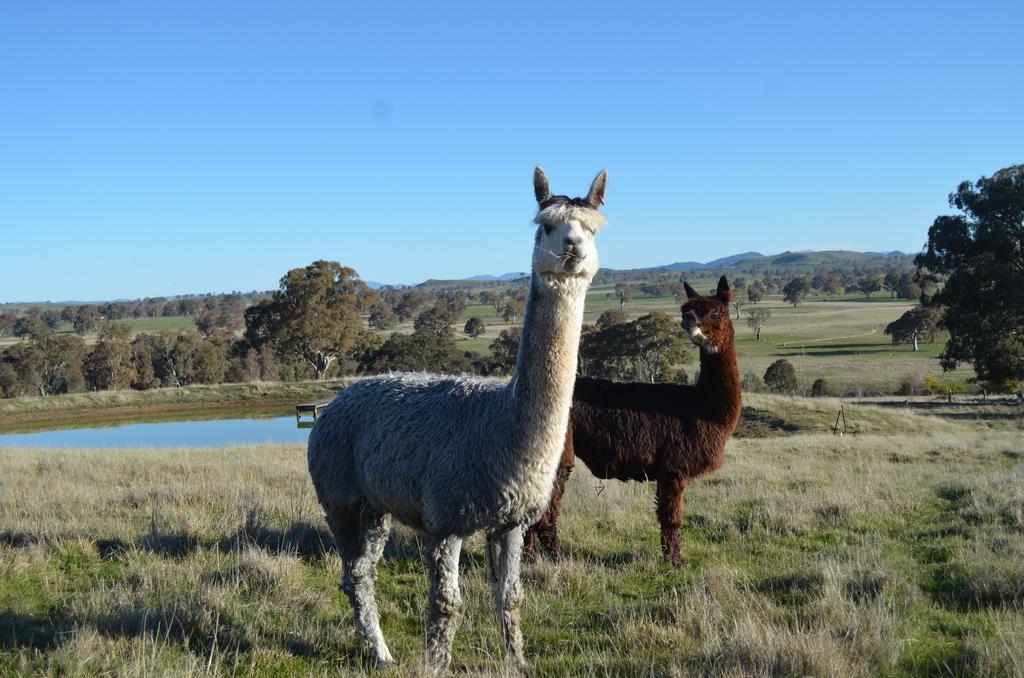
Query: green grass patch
[(805, 554)]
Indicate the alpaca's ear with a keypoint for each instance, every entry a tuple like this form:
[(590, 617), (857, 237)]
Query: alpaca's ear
[(541, 187), (723, 294), (597, 189), (690, 292)]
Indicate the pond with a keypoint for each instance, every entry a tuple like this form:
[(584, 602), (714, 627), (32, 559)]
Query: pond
[(205, 433)]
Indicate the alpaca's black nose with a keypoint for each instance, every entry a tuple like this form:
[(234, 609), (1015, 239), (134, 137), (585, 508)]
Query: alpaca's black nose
[(572, 242)]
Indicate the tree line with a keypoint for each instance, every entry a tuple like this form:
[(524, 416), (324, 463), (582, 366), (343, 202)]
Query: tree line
[(322, 322), (210, 312)]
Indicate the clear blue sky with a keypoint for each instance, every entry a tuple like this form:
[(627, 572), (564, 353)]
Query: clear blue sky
[(161, 148)]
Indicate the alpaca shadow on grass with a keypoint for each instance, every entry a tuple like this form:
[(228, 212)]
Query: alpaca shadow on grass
[(313, 543), (27, 631), (174, 623), (756, 423), (195, 627), (612, 559), (303, 539), (17, 539)]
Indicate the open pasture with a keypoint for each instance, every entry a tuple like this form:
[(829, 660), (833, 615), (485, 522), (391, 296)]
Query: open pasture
[(899, 551), (841, 341)]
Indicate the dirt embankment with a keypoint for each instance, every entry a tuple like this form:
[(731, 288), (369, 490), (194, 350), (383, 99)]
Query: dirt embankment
[(190, 402)]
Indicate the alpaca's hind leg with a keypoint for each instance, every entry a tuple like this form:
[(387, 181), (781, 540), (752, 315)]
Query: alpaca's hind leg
[(670, 515), (445, 600), (504, 551), (361, 537)]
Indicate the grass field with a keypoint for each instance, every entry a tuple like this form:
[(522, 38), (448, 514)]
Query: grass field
[(899, 551)]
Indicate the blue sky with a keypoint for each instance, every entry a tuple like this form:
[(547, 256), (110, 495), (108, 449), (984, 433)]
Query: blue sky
[(160, 148)]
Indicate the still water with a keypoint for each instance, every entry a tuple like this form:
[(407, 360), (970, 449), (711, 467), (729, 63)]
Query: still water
[(208, 433)]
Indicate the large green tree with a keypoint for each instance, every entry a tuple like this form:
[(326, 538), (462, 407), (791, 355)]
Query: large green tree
[(60, 364), (109, 365), (314, 316), (505, 351), (86, 318), (912, 326), (31, 326), (7, 320), (978, 256), (781, 377), (869, 284), (475, 327), (19, 372), (624, 292), (796, 289), (756, 320), (513, 310), (645, 349)]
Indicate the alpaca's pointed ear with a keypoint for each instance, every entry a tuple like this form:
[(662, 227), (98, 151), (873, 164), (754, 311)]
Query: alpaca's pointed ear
[(690, 292), (541, 187), (724, 293), (596, 195)]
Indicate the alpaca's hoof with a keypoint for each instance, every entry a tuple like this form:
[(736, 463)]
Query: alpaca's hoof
[(517, 666), (384, 660)]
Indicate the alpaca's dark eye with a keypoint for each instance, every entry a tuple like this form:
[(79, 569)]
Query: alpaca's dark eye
[(548, 228)]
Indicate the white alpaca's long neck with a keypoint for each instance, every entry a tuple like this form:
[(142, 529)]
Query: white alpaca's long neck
[(541, 390)]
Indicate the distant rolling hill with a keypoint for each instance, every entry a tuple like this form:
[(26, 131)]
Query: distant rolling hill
[(504, 276), (717, 263), (784, 264), (829, 259), (747, 263)]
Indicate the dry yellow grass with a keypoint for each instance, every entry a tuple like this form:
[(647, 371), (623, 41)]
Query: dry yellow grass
[(806, 555)]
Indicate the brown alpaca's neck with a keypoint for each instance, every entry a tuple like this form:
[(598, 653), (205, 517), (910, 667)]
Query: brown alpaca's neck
[(719, 382)]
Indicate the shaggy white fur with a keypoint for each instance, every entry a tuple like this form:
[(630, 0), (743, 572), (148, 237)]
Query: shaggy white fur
[(451, 456), (563, 212)]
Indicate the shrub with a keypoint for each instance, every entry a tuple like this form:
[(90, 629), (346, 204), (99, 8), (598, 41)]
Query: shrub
[(912, 384), (1001, 386), (781, 377), (751, 383), (475, 327), (935, 386), (821, 388)]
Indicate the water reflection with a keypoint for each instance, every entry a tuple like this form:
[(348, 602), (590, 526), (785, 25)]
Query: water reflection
[(208, 433)]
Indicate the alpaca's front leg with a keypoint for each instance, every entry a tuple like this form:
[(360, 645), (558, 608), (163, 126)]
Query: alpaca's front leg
[(544, 533), (670, 515), (445, 601), (506, 550)]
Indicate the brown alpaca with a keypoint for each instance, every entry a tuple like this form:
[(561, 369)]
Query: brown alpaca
[(664, 432)]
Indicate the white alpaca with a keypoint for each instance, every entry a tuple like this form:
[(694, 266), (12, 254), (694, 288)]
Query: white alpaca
[(451, 456)]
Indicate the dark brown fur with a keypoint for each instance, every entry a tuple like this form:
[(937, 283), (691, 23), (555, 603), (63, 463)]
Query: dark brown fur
[(669, 433)]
